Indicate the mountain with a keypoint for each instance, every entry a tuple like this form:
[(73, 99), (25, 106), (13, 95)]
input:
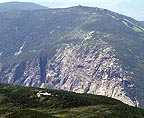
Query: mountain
[(80, 49), (142, 23), (21, 102), (14, 6)]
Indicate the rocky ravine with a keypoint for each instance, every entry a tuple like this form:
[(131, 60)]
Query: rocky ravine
[(79, 49), (90, 66)]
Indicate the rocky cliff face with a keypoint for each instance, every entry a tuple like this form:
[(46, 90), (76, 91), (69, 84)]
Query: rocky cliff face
[(88, 67), (89, 51)]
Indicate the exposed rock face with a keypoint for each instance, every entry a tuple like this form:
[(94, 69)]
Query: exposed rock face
[(80, 49), (29, 72), (84, 68), (90, 69)]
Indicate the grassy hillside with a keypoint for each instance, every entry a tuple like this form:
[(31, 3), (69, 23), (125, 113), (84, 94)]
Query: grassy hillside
[(20, 102)]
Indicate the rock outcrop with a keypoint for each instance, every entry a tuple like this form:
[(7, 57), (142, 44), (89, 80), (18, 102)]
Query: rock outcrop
[(80, 49)]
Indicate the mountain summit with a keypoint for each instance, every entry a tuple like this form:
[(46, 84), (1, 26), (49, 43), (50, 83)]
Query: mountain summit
[(14, 6), (80, 49)]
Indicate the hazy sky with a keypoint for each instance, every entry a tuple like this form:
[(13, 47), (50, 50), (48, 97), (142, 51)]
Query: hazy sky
[(132, 8)]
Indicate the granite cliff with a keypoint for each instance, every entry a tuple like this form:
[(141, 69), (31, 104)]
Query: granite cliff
[(80, 49)]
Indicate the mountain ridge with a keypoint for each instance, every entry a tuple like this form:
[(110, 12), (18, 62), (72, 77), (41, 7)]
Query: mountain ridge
[(80, 49), (15, 6)]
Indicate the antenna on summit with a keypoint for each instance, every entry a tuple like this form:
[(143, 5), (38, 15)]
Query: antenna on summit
[(79, 5)]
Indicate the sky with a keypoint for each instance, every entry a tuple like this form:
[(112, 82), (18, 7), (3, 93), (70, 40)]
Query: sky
[(132, 8)]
